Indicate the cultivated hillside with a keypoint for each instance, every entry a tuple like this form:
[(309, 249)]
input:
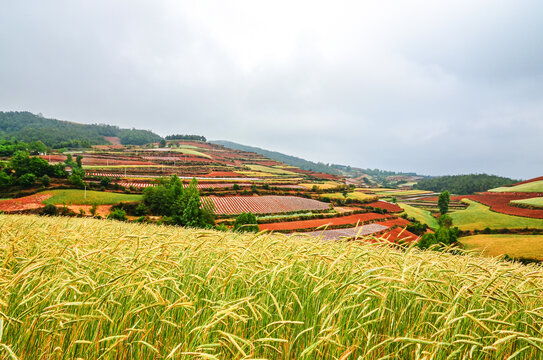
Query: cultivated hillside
[(83, 288)]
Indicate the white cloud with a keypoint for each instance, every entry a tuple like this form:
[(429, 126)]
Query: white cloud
[(434, 87)]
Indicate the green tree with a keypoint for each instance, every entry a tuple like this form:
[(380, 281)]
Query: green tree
[(27, 180), (78, 161), (246, 222), (117, 214), (162, 143), (443, 202), (45, 180), (76, 180), (182, 206)]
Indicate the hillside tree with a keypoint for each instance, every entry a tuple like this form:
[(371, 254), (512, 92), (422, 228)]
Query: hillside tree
[(443, 202)]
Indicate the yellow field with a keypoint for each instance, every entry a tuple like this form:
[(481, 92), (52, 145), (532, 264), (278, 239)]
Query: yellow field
[(352, 195), (323, 186), (271, 170), (516, 246), (75, 288)]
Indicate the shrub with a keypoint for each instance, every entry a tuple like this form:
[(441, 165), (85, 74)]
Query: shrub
[(117, 214), (27, 180), (50, 210), (246, 222), (45, 180)]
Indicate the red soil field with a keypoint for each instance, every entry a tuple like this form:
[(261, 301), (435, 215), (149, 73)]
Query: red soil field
[(384, 205), (24, 203), (199, 185), (499, 202), (397, 234), (113, 140), (95, 161), (264, 204), (395, 222), (306, 224), (223, 174)]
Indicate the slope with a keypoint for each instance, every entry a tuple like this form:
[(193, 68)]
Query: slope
[(287, 159)]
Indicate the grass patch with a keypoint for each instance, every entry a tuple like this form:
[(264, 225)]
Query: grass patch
[(112, 290), (421, 215), (479, 216), (189, 151), (77, 197), (535, 202), (534, 186), (516, 246)]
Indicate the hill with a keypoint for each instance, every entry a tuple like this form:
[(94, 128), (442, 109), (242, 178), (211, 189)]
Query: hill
[(27, 127), (107, 289), (287, 159), (463, 184)]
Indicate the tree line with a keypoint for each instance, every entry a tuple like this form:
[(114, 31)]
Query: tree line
[(27, 127), (463, 184)]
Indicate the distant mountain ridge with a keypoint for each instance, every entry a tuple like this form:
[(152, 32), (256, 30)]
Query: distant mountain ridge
[(287, 159), (28, 127)]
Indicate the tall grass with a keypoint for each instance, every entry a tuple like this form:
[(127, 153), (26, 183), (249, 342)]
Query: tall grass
[(84, 288)]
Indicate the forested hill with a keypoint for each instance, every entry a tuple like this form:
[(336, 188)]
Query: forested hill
[(463, 184), (27, 127), (287, 159)]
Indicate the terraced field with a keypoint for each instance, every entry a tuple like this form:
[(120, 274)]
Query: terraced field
[(530, 203), (533, 186), (421, 215), (269, 204), (478, 216), (307, 224)]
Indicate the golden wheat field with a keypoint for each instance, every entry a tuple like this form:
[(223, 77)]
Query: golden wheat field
[(96, 289)]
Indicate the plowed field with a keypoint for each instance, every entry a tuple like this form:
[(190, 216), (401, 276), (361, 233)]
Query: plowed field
[(307, 224), (264, 204), (384, 205), (24, 203)]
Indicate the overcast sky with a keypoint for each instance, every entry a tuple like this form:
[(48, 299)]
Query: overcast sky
[(436, 87)]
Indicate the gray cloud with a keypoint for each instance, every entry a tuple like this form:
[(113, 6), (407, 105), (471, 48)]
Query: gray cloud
[(438, 88)]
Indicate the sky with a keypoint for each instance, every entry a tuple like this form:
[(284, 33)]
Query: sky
[(435, 87)]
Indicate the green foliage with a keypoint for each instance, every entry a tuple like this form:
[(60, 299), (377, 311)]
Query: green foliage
[(463, 184), (5, 180), (443, 202), (78, 161), (246, 222), (93, 209), (182, 206), (30, 128), (444, 236), (186, 137), (45, 180), (76, 180), (221, 227), (117, 214), (162, 143), (27, 180), (50, 210), (22, 163)]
